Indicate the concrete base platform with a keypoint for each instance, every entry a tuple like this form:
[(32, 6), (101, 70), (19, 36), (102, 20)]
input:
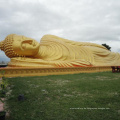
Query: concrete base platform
[(25, 71)]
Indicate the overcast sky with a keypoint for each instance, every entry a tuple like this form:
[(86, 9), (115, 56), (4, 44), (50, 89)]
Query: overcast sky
[(96, 21)]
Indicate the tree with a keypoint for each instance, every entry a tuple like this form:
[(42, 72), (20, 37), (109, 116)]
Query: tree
[(107, 46)]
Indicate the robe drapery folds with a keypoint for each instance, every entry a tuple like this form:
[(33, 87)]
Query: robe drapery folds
[(58, 52)]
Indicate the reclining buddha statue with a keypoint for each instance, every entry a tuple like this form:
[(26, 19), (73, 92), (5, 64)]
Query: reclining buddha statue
[(53, 51)]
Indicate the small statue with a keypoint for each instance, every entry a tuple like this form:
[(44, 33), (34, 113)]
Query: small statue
[(53, 51)]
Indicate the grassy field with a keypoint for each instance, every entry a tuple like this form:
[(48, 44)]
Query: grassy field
[(85, 96)]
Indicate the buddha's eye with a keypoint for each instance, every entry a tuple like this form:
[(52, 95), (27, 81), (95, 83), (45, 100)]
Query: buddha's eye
[(28, 41)]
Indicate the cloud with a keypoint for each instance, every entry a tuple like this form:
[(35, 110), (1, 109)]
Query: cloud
[(79, 20), (3, 57)]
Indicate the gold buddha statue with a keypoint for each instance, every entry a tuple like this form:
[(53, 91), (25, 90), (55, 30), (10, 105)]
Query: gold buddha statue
[(53, 51)]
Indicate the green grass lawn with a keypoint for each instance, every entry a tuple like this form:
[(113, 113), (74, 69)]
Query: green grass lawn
[(85, 96)]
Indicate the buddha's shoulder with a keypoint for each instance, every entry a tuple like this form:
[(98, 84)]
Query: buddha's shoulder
[(49, 37)]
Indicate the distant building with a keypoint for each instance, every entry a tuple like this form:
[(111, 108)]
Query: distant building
[(3, 64)]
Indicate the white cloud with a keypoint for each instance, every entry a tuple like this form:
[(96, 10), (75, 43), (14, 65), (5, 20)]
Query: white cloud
[(3, 57), (79, 20)]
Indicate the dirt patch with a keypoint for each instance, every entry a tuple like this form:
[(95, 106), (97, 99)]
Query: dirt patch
[(102, 78), (60, 82)]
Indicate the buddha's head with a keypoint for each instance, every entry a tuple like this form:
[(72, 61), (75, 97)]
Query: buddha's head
[(18, 46)]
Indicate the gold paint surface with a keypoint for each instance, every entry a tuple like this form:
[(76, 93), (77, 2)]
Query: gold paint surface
[(55, 52)]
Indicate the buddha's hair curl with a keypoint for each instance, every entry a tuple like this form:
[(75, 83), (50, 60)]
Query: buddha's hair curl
[(7, 46)]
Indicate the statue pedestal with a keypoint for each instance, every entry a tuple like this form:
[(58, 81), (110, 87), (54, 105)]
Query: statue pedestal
[(27, 71)]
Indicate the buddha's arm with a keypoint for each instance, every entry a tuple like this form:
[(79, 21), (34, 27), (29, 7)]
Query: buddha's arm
[(53, 38), (56, 49)]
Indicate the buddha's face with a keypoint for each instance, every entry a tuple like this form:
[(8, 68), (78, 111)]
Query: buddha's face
[(25, 46)]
